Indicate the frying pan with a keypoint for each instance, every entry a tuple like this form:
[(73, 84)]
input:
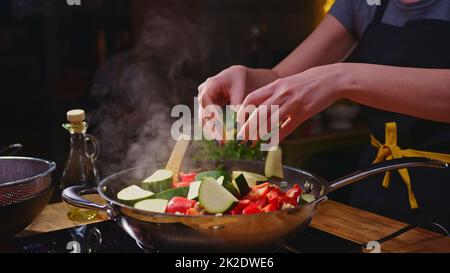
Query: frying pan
[(227, 233)]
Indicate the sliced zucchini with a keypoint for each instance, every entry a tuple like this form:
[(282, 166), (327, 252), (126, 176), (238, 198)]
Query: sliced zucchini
[(220, 180), (308, 198), (242, 184), (226, 182), (153, 205), (230, 186), (214, 197), (252, 178), (159, 181), (173, 192), (274, 164), (132, 194), (213, 174), (194, 186), (193, 190)]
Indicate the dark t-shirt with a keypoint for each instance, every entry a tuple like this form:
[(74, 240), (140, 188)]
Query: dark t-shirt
[(356, 15)]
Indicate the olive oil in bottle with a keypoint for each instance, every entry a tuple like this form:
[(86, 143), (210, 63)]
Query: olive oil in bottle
[(80, 169)]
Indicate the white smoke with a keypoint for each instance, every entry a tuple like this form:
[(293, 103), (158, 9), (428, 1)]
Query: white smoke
[(137, 89)]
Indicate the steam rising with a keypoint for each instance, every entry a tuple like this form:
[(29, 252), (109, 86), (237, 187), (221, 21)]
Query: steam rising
[(136, 90)]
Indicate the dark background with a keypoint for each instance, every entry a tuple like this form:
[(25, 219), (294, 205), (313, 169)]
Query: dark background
[(50, 55)]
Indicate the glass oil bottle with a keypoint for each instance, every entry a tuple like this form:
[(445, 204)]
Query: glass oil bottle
[(80, 169)]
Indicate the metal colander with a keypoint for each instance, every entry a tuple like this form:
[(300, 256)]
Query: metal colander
[(22, 178)]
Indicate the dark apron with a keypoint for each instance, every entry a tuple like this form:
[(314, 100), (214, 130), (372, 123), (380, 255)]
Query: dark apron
[(422, 44)]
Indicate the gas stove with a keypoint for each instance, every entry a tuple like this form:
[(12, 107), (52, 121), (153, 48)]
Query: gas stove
[(108, 237)]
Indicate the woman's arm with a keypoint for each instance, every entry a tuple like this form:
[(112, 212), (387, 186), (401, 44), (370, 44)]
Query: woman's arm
[(329, 43), (419, 92)]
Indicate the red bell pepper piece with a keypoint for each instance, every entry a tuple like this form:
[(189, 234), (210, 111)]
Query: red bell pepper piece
[(240, 207), (276, 189), (270, 207), (274, 198), (294, 192), (179, 204), (261, 189), (187, 177), (251, 209), (192, 211), (288, 200), (258, 192), (261, 202), (181, 184)]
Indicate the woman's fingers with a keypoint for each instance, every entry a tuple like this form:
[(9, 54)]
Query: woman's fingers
[(287, 128), (249, 104), (262, 121), (210, 93), (237, 94)]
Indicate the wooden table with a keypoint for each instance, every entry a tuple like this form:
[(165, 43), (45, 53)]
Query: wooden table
[(341, 220)]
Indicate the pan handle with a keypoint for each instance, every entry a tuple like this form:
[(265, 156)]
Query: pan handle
[(384, 166), (73, 196)]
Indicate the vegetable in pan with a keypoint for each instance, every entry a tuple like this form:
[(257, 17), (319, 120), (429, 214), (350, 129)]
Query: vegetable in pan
[(212, 192)]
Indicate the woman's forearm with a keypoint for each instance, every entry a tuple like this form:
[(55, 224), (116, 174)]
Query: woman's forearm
[(329, 43), (419, 92), (258, 77)]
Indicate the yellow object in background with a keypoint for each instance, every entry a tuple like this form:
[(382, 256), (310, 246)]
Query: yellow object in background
[(391, 150), (328, 4)]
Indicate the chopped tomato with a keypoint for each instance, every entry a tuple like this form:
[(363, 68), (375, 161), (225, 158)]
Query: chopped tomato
[(179, 204), (251, 209), (294, 192), (187, 177)]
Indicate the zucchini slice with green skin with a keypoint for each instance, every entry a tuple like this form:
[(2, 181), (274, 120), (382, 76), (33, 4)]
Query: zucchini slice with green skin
[(252, 178), (173, 192), (193, 190), (231, 188), (195, 186), (214, 197), (307, 198), (242, 184), (153, 205), (132, 194), (159, 181), (226, 182), (213, 174)]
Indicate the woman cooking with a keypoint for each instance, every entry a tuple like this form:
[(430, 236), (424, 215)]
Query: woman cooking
[(397, 64)]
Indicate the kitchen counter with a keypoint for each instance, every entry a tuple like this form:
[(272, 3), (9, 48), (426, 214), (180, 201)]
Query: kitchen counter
[(338, 219)]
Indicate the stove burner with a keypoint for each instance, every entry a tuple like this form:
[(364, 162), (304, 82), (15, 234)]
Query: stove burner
[(107, 237)]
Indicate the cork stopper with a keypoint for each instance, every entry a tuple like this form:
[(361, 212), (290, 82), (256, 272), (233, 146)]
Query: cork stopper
[(76, 116)]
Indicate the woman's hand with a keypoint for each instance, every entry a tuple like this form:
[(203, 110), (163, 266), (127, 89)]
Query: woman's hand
[(299, 97), (226, 87), (230, 87)]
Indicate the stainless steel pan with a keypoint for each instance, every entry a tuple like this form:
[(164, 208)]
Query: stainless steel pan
[(227, 233)]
